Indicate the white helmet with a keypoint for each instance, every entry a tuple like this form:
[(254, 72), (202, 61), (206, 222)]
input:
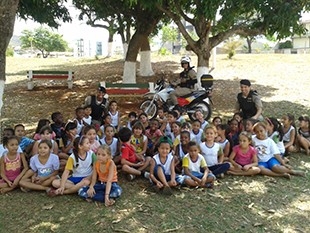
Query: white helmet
[(185, 59)]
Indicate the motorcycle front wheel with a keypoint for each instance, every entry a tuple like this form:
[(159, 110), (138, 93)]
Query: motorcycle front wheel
[(204, 107), (149, 108)]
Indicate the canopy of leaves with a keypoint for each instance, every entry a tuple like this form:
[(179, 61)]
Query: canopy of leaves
[(50, 12), (43, 40)]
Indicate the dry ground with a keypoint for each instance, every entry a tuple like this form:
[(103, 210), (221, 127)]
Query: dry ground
[(259, 204)]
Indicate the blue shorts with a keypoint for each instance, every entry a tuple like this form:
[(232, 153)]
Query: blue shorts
[(270, 163), (200, 175), (178, 178), (168, 177), (76, 180)]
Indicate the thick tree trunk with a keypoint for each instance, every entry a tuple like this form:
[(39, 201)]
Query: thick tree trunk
[(203, 63), (249, 42), (8, 10), (145, 58), (146, 21), (110, 44), (125, 49), (129, 75)]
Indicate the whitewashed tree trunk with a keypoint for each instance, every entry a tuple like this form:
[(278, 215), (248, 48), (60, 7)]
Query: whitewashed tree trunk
[(8, 9), (129, 75), (145, 64), (125, 48), (110, 49), (201, 70)]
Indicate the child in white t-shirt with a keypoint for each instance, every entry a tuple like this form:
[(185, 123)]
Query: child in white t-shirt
[(43, 170)]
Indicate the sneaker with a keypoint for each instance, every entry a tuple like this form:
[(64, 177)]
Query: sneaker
[(130, 177), (167, 191), (147, 175)]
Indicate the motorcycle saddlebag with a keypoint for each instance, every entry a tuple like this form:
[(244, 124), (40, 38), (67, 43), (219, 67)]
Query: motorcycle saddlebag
[(206, 81)]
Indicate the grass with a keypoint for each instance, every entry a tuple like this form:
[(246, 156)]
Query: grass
[(237, 204)]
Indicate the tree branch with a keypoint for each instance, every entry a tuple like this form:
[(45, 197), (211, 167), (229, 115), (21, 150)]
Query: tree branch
[(184, 16), (242, 30), (181, 27)]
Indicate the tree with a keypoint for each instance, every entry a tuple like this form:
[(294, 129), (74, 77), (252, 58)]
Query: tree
[(43, 40), (169, 34), (52, 9), (231, 46), (216, 21)]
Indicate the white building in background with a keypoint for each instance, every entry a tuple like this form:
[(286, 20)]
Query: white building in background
[(302, 43)]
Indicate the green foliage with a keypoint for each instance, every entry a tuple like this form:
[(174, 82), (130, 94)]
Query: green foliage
[(9, 52), (169, 34), (43, 40), (231, 46), (47, 11), (286, 45), (164, 52)]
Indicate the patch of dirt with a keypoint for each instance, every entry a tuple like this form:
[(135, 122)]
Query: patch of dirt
[(281, 80)]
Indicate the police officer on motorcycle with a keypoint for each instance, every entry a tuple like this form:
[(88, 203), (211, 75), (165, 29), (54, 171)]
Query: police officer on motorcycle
[(184, 85)]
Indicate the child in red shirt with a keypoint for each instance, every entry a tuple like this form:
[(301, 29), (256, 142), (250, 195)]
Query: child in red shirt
[(132, 164)]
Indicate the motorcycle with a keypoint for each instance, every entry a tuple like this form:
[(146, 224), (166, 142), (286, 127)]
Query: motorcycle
[(197, 100)]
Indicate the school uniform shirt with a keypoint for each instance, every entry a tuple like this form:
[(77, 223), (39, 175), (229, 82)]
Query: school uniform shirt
[(87, 120), (280, 144), (197, 136), (51, 165), (194, 166), (114, 118), (266, 149), (85, 167), (166, 165), (211, 153), (113, 145), (287, 136)]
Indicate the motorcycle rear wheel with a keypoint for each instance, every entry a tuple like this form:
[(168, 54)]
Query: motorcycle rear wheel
[(149, 108), (206, 110)]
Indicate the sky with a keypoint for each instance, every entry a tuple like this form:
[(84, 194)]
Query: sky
[(79, 30)]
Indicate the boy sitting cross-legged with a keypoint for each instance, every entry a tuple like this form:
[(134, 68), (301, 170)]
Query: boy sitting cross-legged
[(132, 164)]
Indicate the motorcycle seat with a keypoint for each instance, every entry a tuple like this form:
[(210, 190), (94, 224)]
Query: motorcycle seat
[(190, 94)]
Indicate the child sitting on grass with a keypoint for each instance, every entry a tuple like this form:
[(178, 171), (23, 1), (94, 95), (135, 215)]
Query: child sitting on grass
[(244, 157), (162, 171), (132, 164), (112, 142), (103, 186), (303, 135), (213, 153), (43, 170), (13, 165), (269, 158), (193, 163), (80, 164)]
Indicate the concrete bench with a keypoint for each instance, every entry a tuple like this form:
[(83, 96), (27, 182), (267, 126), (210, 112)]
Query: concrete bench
[(51, 75), (127, 88)]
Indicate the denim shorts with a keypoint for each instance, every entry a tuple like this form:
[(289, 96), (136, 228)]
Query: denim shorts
[(270, 163)]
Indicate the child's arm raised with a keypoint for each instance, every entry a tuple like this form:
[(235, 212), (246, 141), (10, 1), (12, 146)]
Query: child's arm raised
[(25, 169), (91, 191)]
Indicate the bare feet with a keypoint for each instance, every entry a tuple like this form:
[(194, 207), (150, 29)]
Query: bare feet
[(298, 173), (287, 176)]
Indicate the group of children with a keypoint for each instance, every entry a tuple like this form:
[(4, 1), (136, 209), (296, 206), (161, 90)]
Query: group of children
[(168, 151)]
